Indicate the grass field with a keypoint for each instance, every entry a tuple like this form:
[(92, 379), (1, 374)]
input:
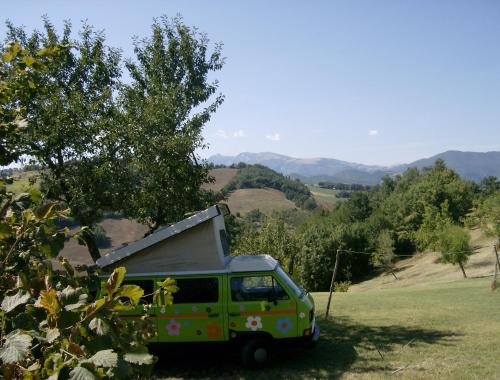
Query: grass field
[(444, 331), (266, 200), (324, 197), (21, 181)]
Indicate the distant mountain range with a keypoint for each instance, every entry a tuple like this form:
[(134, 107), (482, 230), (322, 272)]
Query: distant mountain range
[(470, 165)]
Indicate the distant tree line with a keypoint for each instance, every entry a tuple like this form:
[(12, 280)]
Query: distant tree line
[(259, 176), (343, 186)]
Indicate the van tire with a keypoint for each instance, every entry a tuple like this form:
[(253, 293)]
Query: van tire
[(256, 353)]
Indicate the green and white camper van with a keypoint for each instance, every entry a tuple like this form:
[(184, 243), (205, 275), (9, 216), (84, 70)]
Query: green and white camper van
[(246, 300)]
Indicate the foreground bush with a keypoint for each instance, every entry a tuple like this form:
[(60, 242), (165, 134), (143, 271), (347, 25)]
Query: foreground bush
[(51, 324)]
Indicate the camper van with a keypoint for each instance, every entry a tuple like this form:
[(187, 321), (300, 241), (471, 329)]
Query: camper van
[(249, 301)]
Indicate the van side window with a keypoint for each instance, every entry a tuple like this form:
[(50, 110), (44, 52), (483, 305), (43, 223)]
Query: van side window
[(256, 288), (146, 285), (197, 290)]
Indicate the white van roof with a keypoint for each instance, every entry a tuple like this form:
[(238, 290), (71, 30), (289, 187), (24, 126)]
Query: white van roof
[(237, 264)]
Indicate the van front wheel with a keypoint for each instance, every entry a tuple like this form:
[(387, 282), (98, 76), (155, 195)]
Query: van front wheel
[(255, 353)]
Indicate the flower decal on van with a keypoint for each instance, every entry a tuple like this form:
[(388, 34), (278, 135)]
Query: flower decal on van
[(213, 330), (173, 327), (283, 325), (253, 323)]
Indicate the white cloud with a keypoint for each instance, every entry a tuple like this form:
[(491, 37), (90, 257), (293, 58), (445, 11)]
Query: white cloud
[(240, 133), (275, 137), (373, 132), (221, 133)]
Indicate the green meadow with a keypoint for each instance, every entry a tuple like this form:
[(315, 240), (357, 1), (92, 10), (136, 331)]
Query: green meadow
[(440, 331)]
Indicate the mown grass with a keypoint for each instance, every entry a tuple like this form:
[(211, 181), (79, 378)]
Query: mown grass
[(445, 331)]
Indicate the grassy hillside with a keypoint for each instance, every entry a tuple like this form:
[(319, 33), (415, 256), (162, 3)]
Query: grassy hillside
[(261, 177), (446, 331), (325, 197), (266, 200), (424, 268), (222, 177)]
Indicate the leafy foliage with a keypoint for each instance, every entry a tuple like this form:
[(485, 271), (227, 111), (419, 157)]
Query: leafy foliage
[(455, 247), (384, 256), (106, 146), (164, 110), (397, 217), (51, 324)]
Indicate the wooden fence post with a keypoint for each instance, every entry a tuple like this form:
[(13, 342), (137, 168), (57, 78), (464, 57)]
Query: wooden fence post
[(496, 254), (332, 284), (497, 268)]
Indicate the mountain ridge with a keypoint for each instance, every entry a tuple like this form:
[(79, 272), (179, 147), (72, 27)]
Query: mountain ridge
[(470, 165)]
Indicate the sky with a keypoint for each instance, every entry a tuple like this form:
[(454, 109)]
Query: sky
[(375, 82)]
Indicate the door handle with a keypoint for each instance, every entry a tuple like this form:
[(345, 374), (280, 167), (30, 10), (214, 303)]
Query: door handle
[(234, 314), (213, 315)]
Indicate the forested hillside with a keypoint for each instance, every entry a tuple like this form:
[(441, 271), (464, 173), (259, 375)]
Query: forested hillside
[(414, 211)]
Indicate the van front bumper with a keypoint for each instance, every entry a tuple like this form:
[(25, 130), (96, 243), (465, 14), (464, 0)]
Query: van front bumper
[(313, 338)]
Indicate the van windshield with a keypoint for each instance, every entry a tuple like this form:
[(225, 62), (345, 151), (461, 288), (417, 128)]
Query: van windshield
[(284, 276)]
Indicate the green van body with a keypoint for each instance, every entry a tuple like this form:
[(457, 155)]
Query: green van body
[(233, 305), (249, 300)]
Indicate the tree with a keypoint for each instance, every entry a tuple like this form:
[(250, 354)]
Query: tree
[(71, 120), (487, 215), (51, 325), (274, 238), (384, 256), (165, 108), (454, 243)]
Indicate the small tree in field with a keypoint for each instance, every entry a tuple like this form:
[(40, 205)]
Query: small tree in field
[(454, 243), (384, 256)]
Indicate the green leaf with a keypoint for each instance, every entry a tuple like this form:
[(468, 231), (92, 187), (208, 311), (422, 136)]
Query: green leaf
[(99, 325), (15, 348), (92, 308), (115, 280), (132, 292), (9, 303), (169, 285), (48, 300), (52, 335), (44, 211), (104, 358), (74, 298), (5, 231), (81, 373), (139, 358), (7, 57), (29, 60), (35, 194)]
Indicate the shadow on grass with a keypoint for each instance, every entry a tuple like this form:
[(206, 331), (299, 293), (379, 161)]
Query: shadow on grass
[(335, 354)]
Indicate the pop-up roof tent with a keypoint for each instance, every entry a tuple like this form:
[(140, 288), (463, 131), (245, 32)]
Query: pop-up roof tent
[(197, 243)]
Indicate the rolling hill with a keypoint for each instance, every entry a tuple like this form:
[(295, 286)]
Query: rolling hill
[(470, 165)]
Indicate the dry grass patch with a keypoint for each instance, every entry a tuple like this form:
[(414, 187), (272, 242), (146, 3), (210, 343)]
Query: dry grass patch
[(222, 177)]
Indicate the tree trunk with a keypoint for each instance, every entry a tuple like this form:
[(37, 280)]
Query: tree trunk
[(463, 270), (89, 240)]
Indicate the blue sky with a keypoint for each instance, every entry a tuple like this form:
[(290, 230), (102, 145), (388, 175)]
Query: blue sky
[(376, 82)]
